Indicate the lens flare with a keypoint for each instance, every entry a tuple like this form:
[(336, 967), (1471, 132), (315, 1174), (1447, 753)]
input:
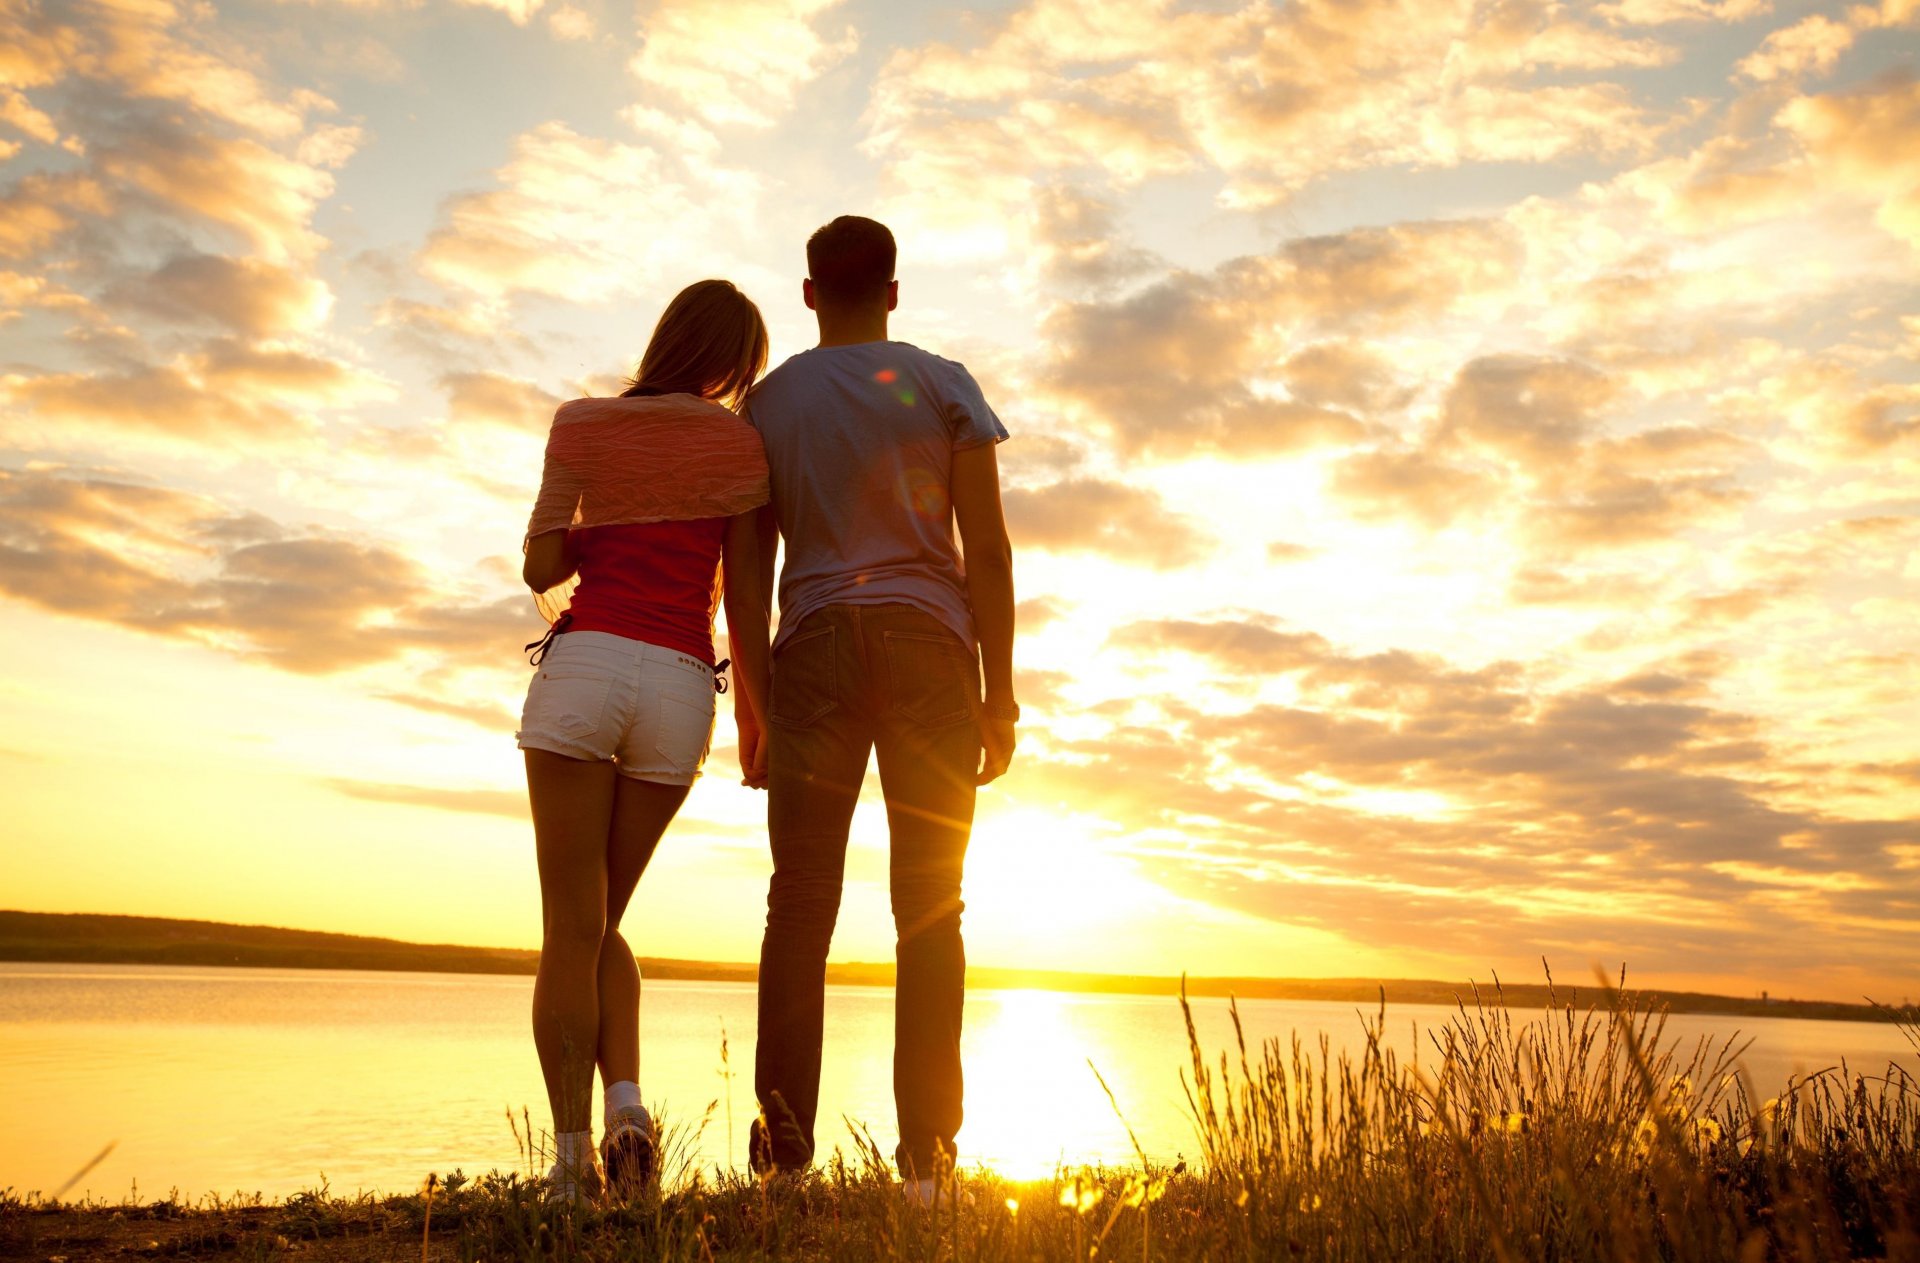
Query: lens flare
[(891, 378)]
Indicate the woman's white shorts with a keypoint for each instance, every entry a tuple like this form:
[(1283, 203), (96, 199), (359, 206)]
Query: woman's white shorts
[(600, 696)]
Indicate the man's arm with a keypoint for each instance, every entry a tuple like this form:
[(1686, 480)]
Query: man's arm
[(989, 557)]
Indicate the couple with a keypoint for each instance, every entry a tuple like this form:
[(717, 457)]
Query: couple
[(862, 454)]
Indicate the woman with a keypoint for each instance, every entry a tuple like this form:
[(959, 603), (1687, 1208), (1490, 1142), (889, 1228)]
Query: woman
[(641, 497)]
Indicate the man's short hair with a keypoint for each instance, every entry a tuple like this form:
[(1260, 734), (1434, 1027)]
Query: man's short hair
[(851, 259)]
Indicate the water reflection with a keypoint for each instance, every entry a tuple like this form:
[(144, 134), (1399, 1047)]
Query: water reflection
[(273, 1081)]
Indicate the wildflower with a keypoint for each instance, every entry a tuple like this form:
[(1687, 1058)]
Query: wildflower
[(1707, 1131), (1644, 1136), (1517, 1123), (1082, 1195), (1143, 1190)]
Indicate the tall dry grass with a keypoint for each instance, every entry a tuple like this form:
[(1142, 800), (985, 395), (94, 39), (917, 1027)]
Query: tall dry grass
[(1584, 1133)]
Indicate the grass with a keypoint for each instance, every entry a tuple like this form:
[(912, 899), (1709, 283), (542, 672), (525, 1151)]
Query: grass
[(1588, 1134)]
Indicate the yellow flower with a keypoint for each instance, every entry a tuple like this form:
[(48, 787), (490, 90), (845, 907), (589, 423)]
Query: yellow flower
[(1082, 1195), (1143, 1190), (1707, 1130), (1516, 1122)]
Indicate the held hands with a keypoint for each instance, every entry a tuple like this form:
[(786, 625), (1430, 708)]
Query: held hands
[(753, 747), (996, 748)]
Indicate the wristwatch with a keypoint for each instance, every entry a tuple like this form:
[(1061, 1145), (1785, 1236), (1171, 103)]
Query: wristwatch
[(1010, 712)]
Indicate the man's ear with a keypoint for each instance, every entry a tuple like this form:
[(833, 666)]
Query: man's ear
[(806, 294), (893, 295)]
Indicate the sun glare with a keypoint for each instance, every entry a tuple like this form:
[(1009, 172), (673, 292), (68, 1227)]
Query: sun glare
[(1038, 881), (1029, 1085)]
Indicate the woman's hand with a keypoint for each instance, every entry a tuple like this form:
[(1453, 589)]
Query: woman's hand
[(753, 746)]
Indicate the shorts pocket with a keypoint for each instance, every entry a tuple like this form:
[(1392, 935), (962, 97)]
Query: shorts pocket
[(567, 701), (804, 685), (931, 677), (685, 735)]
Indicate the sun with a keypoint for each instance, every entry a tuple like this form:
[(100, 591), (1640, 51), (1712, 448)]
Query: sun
[(1047, 886)]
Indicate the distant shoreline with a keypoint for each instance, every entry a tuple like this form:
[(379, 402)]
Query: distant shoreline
[(93, 938)]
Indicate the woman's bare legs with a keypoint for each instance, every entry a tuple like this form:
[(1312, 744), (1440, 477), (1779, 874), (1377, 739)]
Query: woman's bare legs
[(573, 809), (642, 810)]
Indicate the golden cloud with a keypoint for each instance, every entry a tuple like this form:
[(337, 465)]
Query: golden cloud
[(736, 62)]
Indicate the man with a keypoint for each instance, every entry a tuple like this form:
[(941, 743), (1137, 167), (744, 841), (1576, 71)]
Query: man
[(876, 449)]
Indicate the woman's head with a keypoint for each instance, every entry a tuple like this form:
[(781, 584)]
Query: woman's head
[(710, 342)]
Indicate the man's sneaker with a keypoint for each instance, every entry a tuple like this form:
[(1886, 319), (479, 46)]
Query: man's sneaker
[(569, 1186), (631, 1152)]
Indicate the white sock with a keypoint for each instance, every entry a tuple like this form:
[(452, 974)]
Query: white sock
[(623, 1098), (573, 1150)]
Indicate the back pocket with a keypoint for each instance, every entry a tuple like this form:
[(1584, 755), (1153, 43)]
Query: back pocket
[(931, 677), (805, 686), (567, 701), (686, 730)]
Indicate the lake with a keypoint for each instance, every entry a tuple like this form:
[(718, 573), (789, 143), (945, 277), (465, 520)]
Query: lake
[(272, 1081)]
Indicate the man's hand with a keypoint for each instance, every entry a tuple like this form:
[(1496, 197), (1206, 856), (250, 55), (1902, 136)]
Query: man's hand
[(753, 748), (996, 748)]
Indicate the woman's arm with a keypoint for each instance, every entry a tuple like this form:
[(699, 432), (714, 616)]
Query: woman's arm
[(551, 560), (747, 604)]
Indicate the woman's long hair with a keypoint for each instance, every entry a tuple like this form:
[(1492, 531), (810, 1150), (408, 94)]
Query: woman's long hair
[(710, 342)]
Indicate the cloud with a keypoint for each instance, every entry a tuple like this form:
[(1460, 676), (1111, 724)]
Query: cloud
[(1862, 140), (578, 218), (1274, 98), (1180, 363), (169, 122), (736, 62), (569, 22), (1037, 612), (1810, 46), (44, 207), (224, 389), (1525, 438), (1085, 514), (266, 197), (249, 296), (496, 399), (490, 802), (171, 564), (1662, 12), (1077, 242), (1400, 789)]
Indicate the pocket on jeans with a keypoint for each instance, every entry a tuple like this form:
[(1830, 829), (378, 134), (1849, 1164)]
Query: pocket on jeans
[(804, 685), (931, 676), (568, 701), (685, 734)]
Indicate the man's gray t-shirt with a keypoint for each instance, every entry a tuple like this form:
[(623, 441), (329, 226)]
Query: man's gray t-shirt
[(860, 442)]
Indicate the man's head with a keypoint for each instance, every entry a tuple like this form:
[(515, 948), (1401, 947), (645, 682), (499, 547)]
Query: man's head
[(850, 266)]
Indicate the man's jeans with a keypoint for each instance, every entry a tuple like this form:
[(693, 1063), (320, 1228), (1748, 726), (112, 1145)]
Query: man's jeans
[(893, 680)]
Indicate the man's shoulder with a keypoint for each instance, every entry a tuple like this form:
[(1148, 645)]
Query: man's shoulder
[(933, 360)]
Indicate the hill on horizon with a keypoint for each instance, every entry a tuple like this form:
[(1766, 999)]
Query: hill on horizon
[(81, 937)]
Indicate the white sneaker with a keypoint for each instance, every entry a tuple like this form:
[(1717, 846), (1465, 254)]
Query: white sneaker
[(630, 1151), (936, 1194), (571, 1187)]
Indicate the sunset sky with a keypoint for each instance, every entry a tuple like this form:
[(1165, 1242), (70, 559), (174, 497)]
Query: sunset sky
[(1465, 479)]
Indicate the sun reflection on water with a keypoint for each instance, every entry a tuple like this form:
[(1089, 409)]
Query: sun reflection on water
[(1032, 1100)]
